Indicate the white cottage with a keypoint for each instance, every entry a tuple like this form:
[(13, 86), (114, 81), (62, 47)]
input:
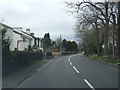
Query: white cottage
[(20, 40)]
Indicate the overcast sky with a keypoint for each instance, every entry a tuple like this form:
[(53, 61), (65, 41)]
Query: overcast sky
[(41, 16)]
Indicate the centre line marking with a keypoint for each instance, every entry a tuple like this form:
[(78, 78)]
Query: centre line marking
[(69, 60), (76, 70), (70, 63), (89, 84)]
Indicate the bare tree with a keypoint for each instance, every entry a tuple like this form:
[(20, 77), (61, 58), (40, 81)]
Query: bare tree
[(104, 11)]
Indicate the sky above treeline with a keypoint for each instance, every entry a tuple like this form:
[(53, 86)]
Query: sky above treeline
[(41, 16)]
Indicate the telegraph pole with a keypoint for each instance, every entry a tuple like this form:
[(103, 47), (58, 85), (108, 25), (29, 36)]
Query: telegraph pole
[(61, 44)]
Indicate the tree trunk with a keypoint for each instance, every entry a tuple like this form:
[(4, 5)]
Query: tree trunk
[(114, 29), (106, 30), (113, 45), (97, 39)]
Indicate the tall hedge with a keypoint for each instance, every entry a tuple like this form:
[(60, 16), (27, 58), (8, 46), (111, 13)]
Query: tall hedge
[(19, 59)]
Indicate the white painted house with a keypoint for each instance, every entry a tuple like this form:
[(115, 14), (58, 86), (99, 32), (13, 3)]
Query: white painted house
[(20, 40)]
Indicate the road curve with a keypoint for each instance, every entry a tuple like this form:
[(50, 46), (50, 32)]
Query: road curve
[(73, 72)]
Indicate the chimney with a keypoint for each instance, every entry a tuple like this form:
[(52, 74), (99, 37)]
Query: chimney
[(18, 29), (28, 31), (32, 34)]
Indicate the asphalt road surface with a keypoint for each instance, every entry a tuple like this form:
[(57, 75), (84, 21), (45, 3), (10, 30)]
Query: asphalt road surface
[(73, 72)]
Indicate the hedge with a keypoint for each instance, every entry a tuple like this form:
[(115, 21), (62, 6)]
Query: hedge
[(48, 55), (18, 59)]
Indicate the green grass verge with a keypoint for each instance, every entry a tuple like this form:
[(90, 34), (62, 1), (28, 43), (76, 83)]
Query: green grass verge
[(29, 68), (103, 59), (40, 61), (36, 64)]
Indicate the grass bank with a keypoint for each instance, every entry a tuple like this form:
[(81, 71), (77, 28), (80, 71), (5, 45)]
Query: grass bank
[(103, 59), (14, 79), (28, 68), (36, 64)]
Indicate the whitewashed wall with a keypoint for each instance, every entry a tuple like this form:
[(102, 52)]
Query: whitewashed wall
[(32, 42), (15, 38), (8, 34), (22, 45)]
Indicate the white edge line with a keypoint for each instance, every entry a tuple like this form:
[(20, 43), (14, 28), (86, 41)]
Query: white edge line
[(76, 70), (89, 84)]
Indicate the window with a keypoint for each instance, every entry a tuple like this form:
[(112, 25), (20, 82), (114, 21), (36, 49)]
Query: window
[(24, 39), (29, 41)]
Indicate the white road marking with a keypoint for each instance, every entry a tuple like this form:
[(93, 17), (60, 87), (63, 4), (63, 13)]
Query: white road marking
[(70, 63), (89, 84), (72, 56), (69, 60), (76, 70)]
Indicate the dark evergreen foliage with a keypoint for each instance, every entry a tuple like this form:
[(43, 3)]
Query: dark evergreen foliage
[(46, 41)]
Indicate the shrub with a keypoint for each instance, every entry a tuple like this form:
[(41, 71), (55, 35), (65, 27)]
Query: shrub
[(48, 55)]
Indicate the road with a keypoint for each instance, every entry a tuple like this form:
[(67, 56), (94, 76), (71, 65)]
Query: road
[(73, 72)]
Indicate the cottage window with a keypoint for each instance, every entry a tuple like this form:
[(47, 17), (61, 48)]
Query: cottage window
[(24, 39), (29, 41)]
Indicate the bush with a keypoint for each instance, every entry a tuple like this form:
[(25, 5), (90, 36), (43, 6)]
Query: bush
[(19, 59), (48, 55)]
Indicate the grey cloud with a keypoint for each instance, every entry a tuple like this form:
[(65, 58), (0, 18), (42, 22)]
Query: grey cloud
[(40, 17)]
